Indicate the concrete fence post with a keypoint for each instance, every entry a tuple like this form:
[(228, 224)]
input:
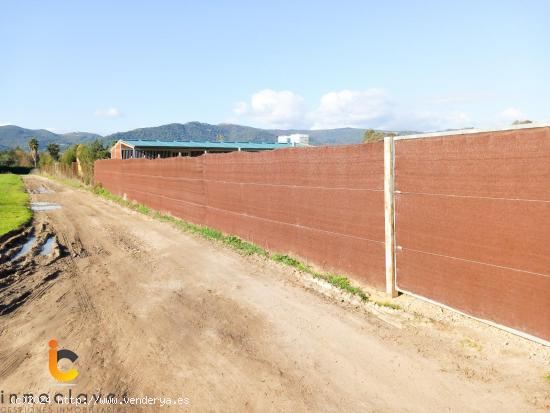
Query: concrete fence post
[(389, 215)]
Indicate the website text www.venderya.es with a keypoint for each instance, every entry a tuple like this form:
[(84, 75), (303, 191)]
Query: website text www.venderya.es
[(14, 400)]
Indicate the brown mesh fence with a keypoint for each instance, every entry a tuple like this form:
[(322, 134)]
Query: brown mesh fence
[(473, 224), (325, 205), (472, 213)]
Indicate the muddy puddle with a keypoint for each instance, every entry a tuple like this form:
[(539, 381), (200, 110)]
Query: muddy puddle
[(25, 248), (41, 190), (47, 247), (42, 206)]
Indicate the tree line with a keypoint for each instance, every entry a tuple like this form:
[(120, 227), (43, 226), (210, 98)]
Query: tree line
[(84, 154)]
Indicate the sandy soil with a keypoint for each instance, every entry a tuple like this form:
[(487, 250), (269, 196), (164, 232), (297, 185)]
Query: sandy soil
[(152, 311)]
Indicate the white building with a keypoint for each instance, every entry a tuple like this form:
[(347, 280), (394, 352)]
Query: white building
[(294, 139)]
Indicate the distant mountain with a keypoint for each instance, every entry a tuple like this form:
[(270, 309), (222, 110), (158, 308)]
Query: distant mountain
[(12, 136), (198, 131), (81, 136)]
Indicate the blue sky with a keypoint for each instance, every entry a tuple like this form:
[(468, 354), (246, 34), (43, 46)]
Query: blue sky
[(106, 66)]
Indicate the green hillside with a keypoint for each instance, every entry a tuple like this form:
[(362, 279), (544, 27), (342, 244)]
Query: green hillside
[(197, 131), (12, 136)]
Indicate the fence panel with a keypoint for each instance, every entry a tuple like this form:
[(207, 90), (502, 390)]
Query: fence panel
[(323, 204), (472, 224), (472, 213)]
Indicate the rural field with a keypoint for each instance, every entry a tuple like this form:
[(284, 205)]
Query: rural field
[(152, 311), (13, 203)]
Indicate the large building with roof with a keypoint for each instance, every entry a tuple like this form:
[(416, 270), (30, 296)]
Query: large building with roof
[(152, 149)]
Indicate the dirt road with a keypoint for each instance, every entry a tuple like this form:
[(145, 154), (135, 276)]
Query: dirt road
[(151, 311)]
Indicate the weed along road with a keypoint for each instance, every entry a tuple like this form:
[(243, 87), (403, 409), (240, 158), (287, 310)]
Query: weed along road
[(151, 311)]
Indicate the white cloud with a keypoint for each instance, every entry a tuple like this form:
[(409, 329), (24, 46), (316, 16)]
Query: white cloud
[(5, 123), (371, 108), (273, 108), (427, 121), (108, 113), (352, 108), (511, 114)]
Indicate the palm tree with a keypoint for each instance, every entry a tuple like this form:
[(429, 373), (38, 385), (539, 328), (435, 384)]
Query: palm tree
[(33, 146), (53, 149)]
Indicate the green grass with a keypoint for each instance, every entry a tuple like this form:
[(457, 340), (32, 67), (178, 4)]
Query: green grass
[(231, 241), (339, 281), (292, 262), (14, 203), (343, 283), (547, 378), (388, 305)]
